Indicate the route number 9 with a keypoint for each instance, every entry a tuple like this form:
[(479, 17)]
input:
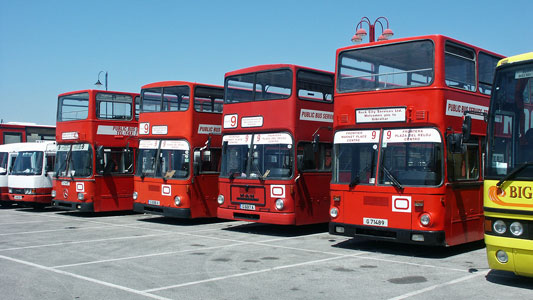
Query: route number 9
[(230, 121)]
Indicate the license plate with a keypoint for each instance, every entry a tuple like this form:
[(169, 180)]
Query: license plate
[(376, 222), (18, 197), (65, 183), (154, 202), (248, 206)]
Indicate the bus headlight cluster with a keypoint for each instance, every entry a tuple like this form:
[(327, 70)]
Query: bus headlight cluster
[(499, 227), (135, 195), (425, 219), (280, 204), (53, 193), (516, 229), (11, 191), (29, 191), (177, 200), (220, 199), (334, 212)]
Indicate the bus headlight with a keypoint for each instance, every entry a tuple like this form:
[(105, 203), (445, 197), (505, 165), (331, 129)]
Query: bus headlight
[(29, 191), (135, 195), (53, 193), (220, 199), (334, 212), (280, 204), (502, 257), (177, 200), (499, 227), (11, 191), (80, 196), (425, 219), (516, 228)]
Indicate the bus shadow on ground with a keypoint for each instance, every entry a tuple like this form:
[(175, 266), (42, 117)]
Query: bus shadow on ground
[(422, 251), (278, 230), (104, 214), (37, 209), (509, 279), (181, 222)]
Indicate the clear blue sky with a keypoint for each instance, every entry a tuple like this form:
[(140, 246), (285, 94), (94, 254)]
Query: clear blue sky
[(50, 47)]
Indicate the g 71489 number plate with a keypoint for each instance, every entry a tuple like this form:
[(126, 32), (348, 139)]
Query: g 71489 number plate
[(376, 222)]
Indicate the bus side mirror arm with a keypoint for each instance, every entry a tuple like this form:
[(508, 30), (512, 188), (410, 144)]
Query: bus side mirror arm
[(316, 137)]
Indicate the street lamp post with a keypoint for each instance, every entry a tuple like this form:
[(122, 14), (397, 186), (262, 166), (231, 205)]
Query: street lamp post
[(360, 33), (98, 83)]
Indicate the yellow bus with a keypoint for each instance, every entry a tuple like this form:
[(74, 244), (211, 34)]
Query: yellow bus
[(508, 186)]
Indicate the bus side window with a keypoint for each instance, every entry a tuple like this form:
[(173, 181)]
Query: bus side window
[(209, 160), (312, 161)]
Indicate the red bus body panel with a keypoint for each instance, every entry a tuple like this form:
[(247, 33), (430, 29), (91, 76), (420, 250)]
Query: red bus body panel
[(102, 192), (26, 131), (455, 209), (198, 192), (307, 198)]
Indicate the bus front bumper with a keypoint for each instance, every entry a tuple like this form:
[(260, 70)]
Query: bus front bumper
[(31, 198), (277, 218), (171, 212), (519, 253), (430, 238), (78, 206)]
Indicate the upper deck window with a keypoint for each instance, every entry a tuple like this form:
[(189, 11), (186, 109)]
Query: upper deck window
[(460, 67), (208, 99), (268, 85), (113, 106), (388, 66), (314, 86), (73, 107), (174, 98), (487, 66)]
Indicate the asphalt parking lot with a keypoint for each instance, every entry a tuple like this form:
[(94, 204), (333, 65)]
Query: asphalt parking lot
[(52, 254)]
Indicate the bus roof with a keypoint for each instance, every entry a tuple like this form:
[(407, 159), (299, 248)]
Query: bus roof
[(176, 83), (24, 124), (10, 147), (33, 146), (414, 38), (259, 68), (91, 90), (516, 58)]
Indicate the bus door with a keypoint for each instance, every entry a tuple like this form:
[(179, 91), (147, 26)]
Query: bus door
[(312, 182), (115, 185), (464, 193), (206, 164)]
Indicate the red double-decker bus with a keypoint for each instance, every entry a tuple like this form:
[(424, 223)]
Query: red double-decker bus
[(403, 168), (19, 132), (276, 152), (96, 143), (179, 149)]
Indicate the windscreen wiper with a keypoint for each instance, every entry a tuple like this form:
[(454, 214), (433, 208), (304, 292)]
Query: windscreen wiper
[(393, 179), (514, 173)]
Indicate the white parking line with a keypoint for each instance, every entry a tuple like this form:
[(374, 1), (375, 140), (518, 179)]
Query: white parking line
[(25, 222), (85, 241), (436, 286), (237, 243), (108, 284), (144, 256), (52, 230), (246, 274)]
